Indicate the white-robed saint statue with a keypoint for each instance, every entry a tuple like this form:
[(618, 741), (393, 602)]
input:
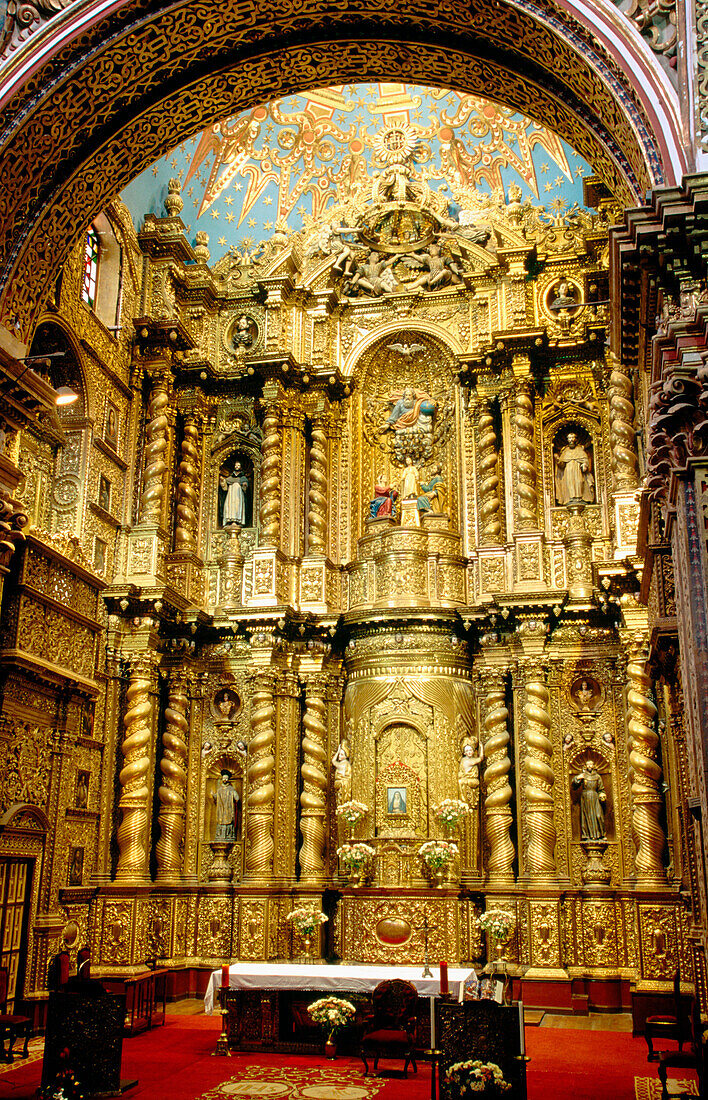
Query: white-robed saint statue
[(574, 477), (234, 492)]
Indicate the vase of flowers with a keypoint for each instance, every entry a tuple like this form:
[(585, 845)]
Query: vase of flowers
[(449, 813), (332, 1014), (498, 925), (352, 813), (306, 920), (356, 858), (476, 1078), (437, 855)]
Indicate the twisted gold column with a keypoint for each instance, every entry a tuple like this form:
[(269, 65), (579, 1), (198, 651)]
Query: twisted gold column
[(188, 488), (155, 453), (317, 497), (314, 783), (173, 787), (489, 502), (260, 804), (622, 437), (135, 791), (540, 852), (643, 745), (527, 494), (497, 804), (269, 533)]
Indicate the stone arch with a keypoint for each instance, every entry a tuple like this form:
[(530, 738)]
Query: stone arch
[(585, 72)]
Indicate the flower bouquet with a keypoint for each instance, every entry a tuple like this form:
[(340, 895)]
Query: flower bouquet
[(355, 857), (449, 813), (473, 1077), (497, 923), (331, 1014), (306, 921), (436, 856), (352, 813)]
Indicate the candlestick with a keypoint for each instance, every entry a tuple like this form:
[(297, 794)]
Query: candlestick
[(225, 977), (522, 1033), (444, 987), (427, 972)]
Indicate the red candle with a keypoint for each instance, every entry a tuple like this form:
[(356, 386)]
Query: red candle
[(224, 977), (444, 987)]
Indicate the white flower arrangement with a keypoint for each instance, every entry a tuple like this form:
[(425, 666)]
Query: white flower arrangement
[(450, 812), (306, 920), (436, 854), (476, 1076), (332, 1013), (352, 812), (497, 923), (356, 855)]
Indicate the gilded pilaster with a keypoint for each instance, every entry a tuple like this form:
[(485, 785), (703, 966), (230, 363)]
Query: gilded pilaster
[(187, 507), (314, 781), (538, 789), (646, 772), (489, 501), (526, 477), (173, 786), (134, 802), (260, 804), (317, 491), (155, 455), (271, 471), (497, 803)]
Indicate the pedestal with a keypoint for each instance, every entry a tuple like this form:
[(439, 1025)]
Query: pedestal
[(220, 871), (594, 872)]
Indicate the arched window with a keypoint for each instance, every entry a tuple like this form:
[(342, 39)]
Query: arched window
[(102, 285), (90, 280)]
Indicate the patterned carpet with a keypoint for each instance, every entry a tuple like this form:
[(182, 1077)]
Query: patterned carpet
[(290, 1083), (649, 1088)]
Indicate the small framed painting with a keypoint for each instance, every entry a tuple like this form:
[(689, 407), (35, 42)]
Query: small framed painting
[(111, 425), (76, 866), (397, 800)]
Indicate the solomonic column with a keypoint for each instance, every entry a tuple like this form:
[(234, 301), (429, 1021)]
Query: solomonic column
[(317, 493), (260, 804), (526, 476), (314, 782), (271, 477), (134, 802), (172, 792), (188, 488), (540, 861), (646, 772), (155, 464), (497, 803), (489, 500)]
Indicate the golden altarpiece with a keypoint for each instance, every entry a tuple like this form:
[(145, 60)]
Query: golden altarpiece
[(353, 517)]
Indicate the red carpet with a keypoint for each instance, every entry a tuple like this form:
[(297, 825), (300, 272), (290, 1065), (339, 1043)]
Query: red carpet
[(175, 1063)]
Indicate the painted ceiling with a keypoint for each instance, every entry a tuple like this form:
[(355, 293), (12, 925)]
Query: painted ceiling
[(291, 160)]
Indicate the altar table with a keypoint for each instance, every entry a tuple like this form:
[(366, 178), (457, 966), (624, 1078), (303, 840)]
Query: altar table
[(320, 978)]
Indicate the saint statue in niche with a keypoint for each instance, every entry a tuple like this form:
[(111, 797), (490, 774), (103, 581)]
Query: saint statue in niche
[(565, 296), (410, 482), (233, 496), (592, 802), (383, 506), (226, 705), (227, 801), (575, 482), (468, 771), (342, 772), (432, 494), (244, 332)]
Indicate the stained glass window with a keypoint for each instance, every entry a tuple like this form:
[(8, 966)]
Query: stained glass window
[(88, 289)]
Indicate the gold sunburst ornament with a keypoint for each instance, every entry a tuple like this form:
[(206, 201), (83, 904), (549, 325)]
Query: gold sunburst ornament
[(394, 144)]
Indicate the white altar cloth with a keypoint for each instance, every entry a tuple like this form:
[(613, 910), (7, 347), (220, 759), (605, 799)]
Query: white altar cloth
[(320, 978)]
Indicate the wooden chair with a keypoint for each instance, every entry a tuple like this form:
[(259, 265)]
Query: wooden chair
[(390, 1030), (10, 1025), (58, 971), (83, 964), (694, 1058), (671, 1026)]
